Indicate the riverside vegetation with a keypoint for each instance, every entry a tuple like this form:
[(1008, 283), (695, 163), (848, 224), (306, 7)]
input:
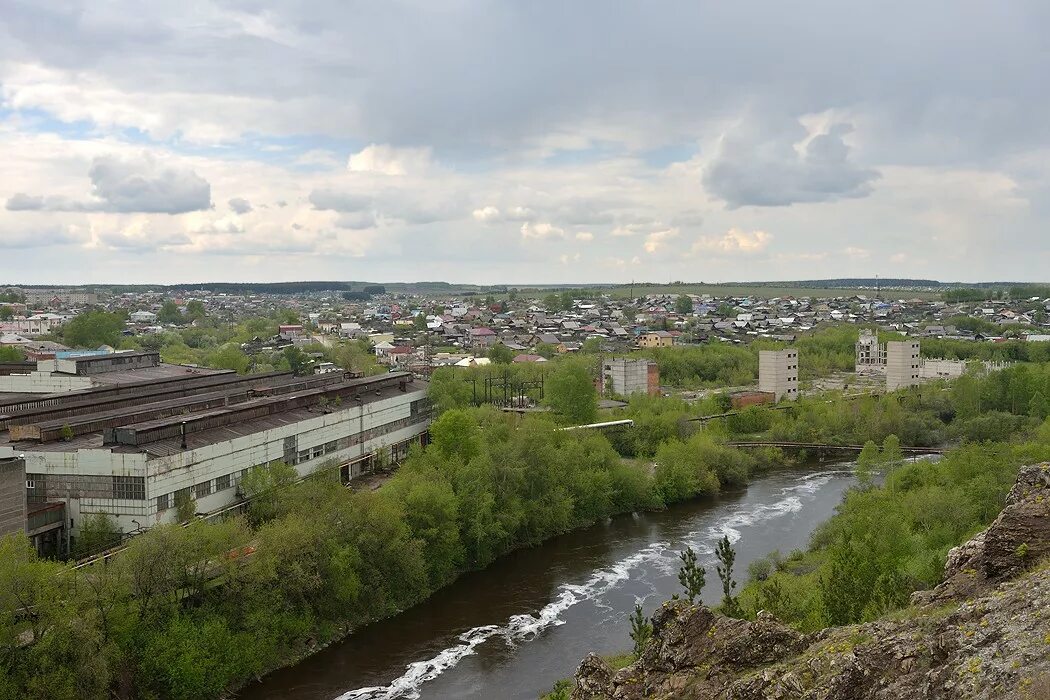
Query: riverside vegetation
[(192, 612)]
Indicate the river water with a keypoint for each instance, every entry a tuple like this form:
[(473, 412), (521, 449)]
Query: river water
[(510, 631)]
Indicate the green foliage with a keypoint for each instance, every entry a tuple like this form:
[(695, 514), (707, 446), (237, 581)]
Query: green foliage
[(726, 556), (691, 576), (10, 353), (170, 313), (6, 314), (262, 487), (683, 304), (98, 532), (93, 329), (641, 630), (885, 542), (501, 354), (569, 391)]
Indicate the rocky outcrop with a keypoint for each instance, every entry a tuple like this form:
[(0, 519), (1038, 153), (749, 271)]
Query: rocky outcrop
[(1017, 539), (983, 633)]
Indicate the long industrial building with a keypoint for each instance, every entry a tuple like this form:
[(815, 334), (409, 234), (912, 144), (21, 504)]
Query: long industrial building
[(136, 446)]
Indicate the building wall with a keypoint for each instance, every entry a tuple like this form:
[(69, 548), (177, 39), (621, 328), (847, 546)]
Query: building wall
[(43, 383), (652, 340), (12, 496), (778, 373), (903, 365), (631, 376), (87, 479)]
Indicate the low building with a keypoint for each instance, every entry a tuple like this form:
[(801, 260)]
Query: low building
[(656, 339), (778, 373), (743, 399), (625, 377)]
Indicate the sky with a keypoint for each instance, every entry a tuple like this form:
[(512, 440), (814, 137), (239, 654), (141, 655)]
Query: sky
[(527, 141)]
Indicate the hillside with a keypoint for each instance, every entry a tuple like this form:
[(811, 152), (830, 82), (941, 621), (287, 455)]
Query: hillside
[(983, 633)]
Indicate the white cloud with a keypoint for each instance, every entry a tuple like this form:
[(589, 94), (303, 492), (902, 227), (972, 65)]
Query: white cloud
[(733, 242), (585, 236), (856, 253), (656, 240), (486, 214), (387, 160), (541, 231)]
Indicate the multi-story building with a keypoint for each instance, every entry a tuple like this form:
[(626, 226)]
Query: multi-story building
[(870, 354), (135, 450), (60, 297), (778, 373), (903, 365), (626, 377)]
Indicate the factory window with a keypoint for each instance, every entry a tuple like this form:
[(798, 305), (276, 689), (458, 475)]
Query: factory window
[(304, 455), (222, 482), (318, 451), (163, 503), (202, 489), (129, 487), (330, 447)]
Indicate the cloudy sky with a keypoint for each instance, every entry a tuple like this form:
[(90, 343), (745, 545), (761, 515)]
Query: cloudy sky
[(500, 141)]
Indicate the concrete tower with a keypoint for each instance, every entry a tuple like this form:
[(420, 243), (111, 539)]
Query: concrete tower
[(903, 364), (778, 373)]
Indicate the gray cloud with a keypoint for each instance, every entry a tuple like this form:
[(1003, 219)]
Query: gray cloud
[(240, 205), (129, 186), (339, 200), (758, 169), (146, 185)]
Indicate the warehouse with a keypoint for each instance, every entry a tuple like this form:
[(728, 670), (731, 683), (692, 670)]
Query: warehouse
[(135, 449)]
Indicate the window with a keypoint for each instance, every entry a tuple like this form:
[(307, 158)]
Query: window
[(129, 487), (202, 489), (304, 455), (222, 482), (163, 503), (318, 451)]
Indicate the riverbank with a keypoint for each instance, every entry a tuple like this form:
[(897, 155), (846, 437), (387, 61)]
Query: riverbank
[(981, 633), (518, 624)]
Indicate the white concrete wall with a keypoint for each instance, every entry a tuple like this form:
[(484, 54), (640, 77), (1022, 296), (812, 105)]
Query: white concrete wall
[(43, 383)]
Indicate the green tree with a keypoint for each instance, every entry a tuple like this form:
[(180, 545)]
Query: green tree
[(691, 576), (569, 390), (726, 556), (1039, 407), (298, 361), (229, 356), (170, 313), (10, 353), (552, 302), (867, 463), (501, 354), (566, 300), (892, 454), (641, 630), (6, 314), (262, 487), (683, 304), (98, 532), (546, 350), (93, 329), (195, 310)]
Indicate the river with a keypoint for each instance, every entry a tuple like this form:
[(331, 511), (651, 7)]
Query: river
[(510, 631)]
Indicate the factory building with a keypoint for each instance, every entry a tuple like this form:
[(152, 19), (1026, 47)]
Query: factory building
[(625, 377), (778, 373), (135, 449)]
